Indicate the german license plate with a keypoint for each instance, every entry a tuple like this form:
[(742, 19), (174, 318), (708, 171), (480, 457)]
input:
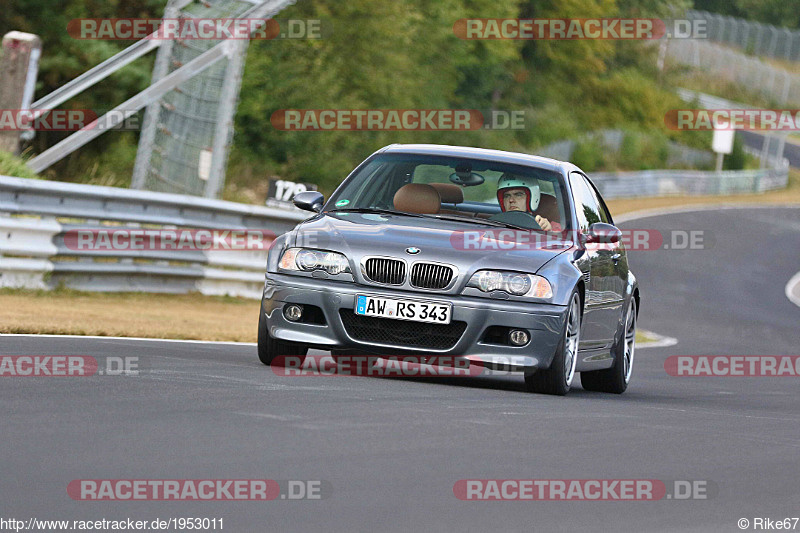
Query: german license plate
[(402, 309)]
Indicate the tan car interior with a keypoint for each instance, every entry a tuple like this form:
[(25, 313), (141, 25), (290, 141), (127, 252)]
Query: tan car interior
[(427, 199)]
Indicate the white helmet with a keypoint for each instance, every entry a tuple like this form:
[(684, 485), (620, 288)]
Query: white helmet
[(510, 181)]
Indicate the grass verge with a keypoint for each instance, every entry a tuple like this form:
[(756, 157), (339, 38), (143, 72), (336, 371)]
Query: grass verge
[(11, 165), (162, 316)]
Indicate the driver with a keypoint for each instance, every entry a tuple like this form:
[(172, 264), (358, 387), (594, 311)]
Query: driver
[(516, 193)]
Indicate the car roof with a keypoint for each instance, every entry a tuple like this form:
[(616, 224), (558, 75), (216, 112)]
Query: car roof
[(477, 153)]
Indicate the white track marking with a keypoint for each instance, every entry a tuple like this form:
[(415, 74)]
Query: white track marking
[(660, 341), (793, 289)]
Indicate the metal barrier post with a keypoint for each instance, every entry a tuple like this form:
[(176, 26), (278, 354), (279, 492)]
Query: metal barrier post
[(19, 63)]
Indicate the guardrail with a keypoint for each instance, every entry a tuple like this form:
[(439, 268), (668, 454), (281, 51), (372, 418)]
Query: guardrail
[(690, 182), (36, 216)]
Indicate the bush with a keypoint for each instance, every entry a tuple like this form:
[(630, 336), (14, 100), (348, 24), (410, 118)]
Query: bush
[(641, 151), (736, 159), (589, 154), (11, 165)]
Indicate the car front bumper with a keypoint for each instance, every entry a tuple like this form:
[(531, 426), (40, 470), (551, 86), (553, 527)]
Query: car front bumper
[(544, 322)]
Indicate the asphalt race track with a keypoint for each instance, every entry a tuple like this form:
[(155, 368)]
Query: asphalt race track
[(391, 450), (754, 140)]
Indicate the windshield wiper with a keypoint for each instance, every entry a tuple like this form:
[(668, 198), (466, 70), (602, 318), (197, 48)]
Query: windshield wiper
[(455, 218), (376, 210), (483, 221)]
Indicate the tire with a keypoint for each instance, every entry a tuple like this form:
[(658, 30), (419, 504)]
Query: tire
[(615, 380), (557, 379), (269, 348)]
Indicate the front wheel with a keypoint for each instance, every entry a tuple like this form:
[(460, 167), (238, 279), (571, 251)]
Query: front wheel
[(558, 378), (615, 380), (269, 348)]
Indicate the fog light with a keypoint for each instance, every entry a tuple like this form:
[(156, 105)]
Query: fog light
[(293, 312), (519, 337)]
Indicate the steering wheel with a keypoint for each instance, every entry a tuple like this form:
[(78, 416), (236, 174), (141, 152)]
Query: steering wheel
[(517, 218)]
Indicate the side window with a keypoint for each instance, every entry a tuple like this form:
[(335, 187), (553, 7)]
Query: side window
[(587, 206), (601, 206)]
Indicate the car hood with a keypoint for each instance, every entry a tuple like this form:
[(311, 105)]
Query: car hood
[(469, 247)]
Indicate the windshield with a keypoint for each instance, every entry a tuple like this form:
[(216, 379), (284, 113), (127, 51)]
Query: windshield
[(457, 187)]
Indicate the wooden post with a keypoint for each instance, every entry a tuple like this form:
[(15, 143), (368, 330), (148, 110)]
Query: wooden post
[(19, 65)]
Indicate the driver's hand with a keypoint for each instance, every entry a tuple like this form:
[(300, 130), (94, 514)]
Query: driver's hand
[(543, 223)]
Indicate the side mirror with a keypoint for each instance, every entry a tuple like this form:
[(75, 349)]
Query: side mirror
[(309, 201), (600, 232)]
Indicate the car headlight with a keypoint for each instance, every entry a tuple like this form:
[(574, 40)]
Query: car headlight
[(514, 283), (308, 260)]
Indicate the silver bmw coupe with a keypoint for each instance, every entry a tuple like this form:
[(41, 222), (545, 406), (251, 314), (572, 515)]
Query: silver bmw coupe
[(498, 259)]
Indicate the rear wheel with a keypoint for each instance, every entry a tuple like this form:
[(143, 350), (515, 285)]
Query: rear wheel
[(558, 378), (615, 380), (269, 348)]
